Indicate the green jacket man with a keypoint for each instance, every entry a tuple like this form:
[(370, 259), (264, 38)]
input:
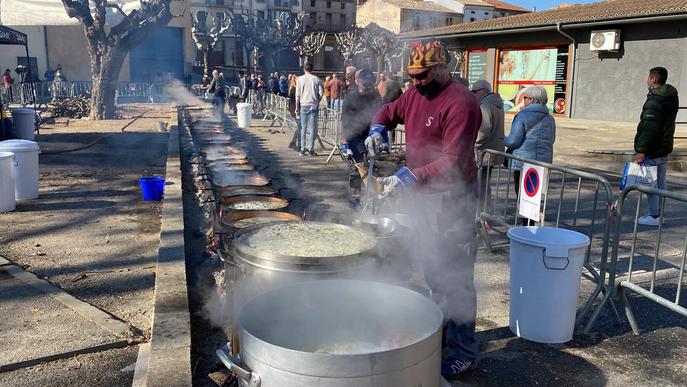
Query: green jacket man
[(654, 139)]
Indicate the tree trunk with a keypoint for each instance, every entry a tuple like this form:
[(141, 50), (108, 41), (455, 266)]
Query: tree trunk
[(106, 63), (206, 62), (380, 67)]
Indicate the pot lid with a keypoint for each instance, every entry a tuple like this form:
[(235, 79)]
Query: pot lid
[(309, 243), (19, 146), (23, 111)]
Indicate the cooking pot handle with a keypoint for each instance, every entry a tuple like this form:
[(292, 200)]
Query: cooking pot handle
[(251, 378)]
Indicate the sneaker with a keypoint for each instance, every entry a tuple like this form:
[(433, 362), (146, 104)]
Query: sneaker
[(454, 368), (312, 153), (301, 153), (648, 220)]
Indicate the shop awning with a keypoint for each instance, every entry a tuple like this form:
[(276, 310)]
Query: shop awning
[(10, 36)]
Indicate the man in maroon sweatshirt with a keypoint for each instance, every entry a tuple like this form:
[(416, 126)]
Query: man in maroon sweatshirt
[(438, 189)]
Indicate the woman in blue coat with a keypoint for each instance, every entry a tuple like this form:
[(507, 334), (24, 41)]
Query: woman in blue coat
[(532, 133)]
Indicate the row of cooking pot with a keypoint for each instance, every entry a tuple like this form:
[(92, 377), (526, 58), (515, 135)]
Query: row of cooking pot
[(303, 325)]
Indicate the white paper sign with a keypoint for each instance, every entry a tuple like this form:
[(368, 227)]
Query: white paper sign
[(532, 183)]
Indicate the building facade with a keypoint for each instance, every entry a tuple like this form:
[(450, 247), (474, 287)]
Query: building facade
[(400, 16), (585, 76), (168, 49)]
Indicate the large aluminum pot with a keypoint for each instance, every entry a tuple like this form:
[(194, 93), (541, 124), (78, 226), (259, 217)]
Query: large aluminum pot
[(339, 333), (258, 270)]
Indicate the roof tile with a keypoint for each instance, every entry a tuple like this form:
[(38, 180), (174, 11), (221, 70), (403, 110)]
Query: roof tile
[(605, 10)]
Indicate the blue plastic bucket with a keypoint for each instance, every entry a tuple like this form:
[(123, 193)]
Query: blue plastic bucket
[(152, 187)]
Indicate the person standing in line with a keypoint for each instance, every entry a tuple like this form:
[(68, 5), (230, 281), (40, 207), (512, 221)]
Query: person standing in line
[(296, 127), (438, 188), (309, 92), (382, 77), (7, 82), (361, 104), (655, 131), (283, 86), (532, 134), (327, 95), (491, 133), (334, 87)]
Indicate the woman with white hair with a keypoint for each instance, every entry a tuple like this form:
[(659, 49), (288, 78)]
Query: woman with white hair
[(533, 131)]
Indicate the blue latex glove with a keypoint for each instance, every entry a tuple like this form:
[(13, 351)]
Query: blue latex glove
[(346, 151), (375, 141), (404, 177)]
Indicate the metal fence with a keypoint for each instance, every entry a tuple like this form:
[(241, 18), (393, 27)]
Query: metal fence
[(657, 260), (45, 92), (571, 199), (276, 108)]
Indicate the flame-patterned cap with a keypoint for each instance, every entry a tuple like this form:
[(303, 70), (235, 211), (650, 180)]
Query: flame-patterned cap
[(425, 54)]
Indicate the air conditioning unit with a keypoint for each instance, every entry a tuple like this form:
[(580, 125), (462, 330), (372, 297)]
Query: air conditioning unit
[(608, 40)]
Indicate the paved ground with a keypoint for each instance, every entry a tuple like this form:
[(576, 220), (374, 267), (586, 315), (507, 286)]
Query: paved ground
[(611, 355), (89, 233)]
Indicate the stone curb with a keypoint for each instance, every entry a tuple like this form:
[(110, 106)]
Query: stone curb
[(169, 357)]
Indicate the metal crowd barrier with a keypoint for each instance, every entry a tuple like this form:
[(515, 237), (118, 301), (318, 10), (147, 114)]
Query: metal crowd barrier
[(276, 108), (630, 282), (45, 92), (564, 205)]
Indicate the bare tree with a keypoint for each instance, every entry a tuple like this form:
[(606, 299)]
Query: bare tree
[(253, 32), (350, 42), (286, 31), (206, 39), (310, 45), (380, 44), (107, 49)]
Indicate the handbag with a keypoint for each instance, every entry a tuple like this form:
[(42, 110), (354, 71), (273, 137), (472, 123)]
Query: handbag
[(639, 174)]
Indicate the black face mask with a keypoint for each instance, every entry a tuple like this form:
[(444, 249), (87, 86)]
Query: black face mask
[(430, 90)]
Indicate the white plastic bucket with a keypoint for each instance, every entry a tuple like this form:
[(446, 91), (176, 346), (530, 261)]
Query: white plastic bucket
[(244, 112), (545, 272), (26, 172), (7, 201), (24, 121)]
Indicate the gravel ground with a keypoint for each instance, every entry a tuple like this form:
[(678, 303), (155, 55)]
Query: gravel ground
[(90, 232)]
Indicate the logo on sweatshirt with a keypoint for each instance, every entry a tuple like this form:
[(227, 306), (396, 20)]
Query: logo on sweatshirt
[(429, 121)]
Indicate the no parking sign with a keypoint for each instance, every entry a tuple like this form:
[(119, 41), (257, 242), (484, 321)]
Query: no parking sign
[(532, 182)]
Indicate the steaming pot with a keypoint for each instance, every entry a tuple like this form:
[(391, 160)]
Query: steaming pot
[(257, 271), (339, 333)]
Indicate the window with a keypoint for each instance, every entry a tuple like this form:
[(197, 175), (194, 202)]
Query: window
[(449, 20), (313, 18), (486, 14), (472, 19), (343, 20), (219, 17), (433, 21), (328, 19), (329, 4), (416, 20), (261, 15), (312, 3), (472, 12), (343, 5), (277, 3)]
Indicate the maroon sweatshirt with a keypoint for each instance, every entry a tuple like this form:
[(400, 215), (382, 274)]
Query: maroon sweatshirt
[(440, 134)]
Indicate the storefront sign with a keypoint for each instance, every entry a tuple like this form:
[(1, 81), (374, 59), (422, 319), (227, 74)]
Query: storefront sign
[(543, 66), (560, 103), (477, 65)]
